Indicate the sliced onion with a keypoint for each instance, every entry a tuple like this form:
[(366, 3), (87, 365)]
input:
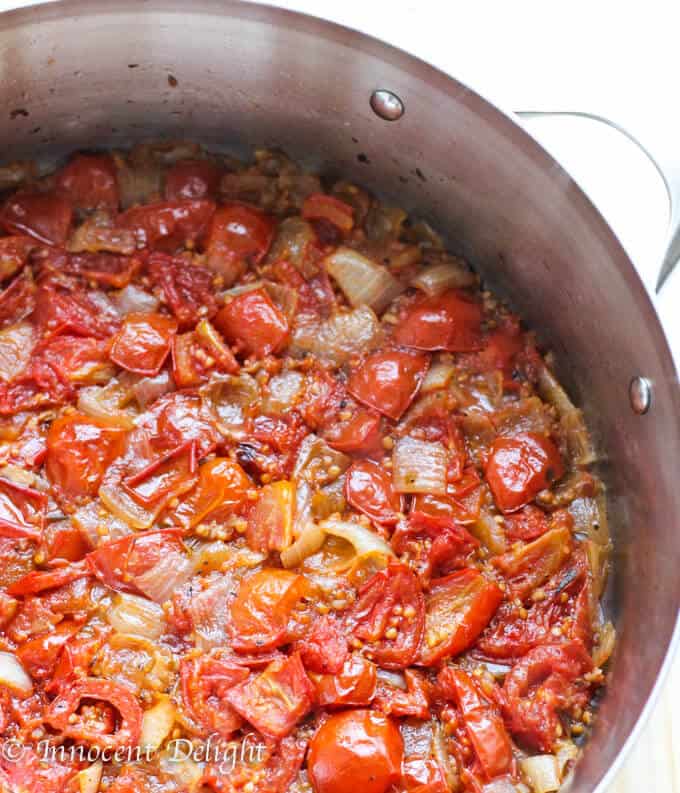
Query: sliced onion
[(148, 389), (419, 466), (542, 772), (394, 679), (590, 518), (438, 376), (137, 616), (98, 525), (13, 674), (132, 300), (232, 396), (504, 784), (16, 346), (109, 403), (166, 576), (364, 540), (435, 279), (284, 297), (294, 239), (184, 771), (139, 184), (339, 338), (566, 752), (90, 778), (210, 614), (308, 543), (314, 460), (157, 722), (363, 282), (283, 391), (605, 646), (446, 761), (489, 532)]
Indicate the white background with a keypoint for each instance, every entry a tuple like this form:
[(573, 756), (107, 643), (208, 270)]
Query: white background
[(613, 58)]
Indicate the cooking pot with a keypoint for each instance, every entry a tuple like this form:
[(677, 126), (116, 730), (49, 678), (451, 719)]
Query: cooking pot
[(84, 73)]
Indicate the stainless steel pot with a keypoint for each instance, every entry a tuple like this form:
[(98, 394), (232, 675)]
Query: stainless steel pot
[(80, 73)]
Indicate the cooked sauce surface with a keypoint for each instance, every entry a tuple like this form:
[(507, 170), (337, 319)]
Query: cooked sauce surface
[(275, 471)]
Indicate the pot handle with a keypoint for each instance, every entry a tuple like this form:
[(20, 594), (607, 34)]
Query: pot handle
[(663, 151)]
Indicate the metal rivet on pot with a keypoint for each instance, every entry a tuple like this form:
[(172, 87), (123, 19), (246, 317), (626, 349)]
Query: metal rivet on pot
[(387, 105), (640, 393)]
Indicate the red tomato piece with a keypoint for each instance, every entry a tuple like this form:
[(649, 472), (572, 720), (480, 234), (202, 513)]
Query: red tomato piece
[(447, 322), (359, 435), (143, 343), (22, 510), (239, 236), (75, 359), (40, 580), (14, 253), (270, 522), (396, 587), (542, 683), (192, 179), (423, 775), (88, 181), (389, 381), (251, 321), (502, 346), (222, 483), (355, 748), (368, 488), (164, 476), (107, 269), (62, 541), (187, 287), (179, 417), (324, 648), (459, 607), (528, 523), (415, 701), (519, 468), (168, 225), (205, 682), (64, 308), (275, 700), (198, 353), (18, 299), (79, 450), (39, 654), (31, 771), (321, 399), (483, 723), (44, 217), (121, 698), (354, 685), (262, 608), (319, 206)]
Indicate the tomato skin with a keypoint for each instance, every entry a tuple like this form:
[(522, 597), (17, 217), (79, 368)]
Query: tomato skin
[(388, 381), (40, 580), (368, 488), (359, 435), (239, 235), (221, 483), (14, 253), (262, 608), (483, 722), (64, 542), (204, 683), (459, 607), (125, 702), (354, 685), (324, 649), (519, 468), (415, 701), (355, 749), (275, 700), (447, 322), (79, 450), (192, 179), (186, 287), (397, 585), (168, 225), (270, 522), (253, 322), (319, 206), (107, 269), (44, 217), (143, 343), (89, 181), (527, 524), (17, 300), (39, 654), (22, 510), (539, 685), (65, 309)]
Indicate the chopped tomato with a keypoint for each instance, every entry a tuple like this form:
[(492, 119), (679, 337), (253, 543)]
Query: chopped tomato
[(62, 541), (222, 483), (262, 608), (459, 607), (40, 580), (389, 616), (526, 524), (31, 771), (355, 749), (446, 322), (169, 474), (321, 398), (75, 660), (319, 206), (88, 181), (324, 649), (435, 544), (354, 685), (79, 450), (483, 722), (192, 179), (359, 434), (106, 269), (79, 360), (542, 683), (180, 417), (63, 308), (22, 510), (67, 703), (518, 468), (168, 225), (423, 775), (239, 236), (143, 343), (187, 287), (275, 700), (368, 488), (18, 299), (388, 381), (528, 566), (270, 523), (502, 346), (14, 253), (415, 701), (44, 217), (39, 655), (251, 321), (205, 683), (199, 352)]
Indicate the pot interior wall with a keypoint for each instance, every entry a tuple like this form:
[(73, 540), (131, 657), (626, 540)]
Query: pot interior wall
[(230, 75)]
